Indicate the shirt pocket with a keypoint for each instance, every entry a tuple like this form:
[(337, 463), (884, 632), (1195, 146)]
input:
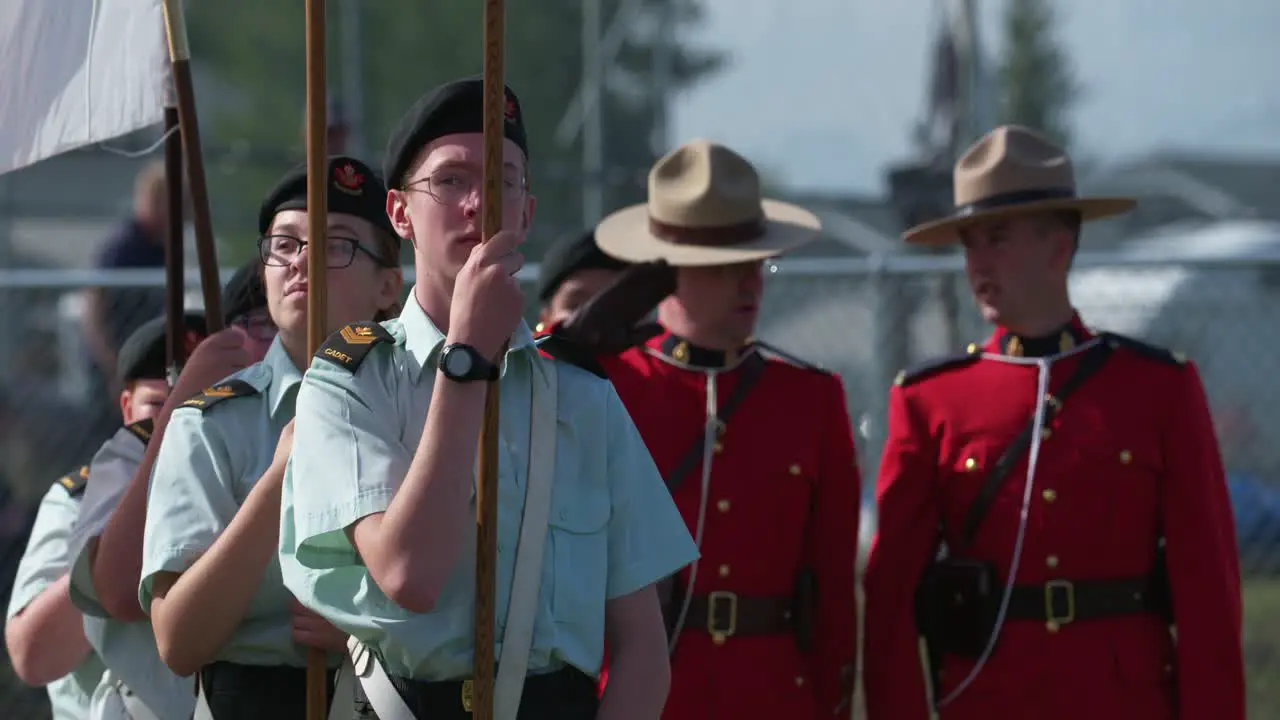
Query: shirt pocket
[(579, 549), (1122, 471), (966, 471)]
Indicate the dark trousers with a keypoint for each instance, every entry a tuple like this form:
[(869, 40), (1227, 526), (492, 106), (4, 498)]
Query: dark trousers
[(566, 694), (257, 692)]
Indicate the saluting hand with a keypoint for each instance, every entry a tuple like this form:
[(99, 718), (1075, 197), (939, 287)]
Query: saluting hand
[(311, 630), (487, 300), (217, 356), (610, 322)]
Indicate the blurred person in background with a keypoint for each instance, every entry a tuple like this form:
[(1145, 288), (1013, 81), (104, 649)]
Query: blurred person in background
[(111, 313), (572, 271), (209, 579), (137, 685), (755, 445), (1053, 515), (45, 632)]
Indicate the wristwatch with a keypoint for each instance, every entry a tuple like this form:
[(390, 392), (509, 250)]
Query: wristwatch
[(463, 363)]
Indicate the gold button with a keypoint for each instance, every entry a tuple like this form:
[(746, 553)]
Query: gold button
[(1051, 561), (1052, 626), (1045, 433), (723, 506), (724, 571), (719, 447), (799, 681), (970, 464), (1126, 457), (718, 638), (795, 469), (1049, 495), (539, 327)]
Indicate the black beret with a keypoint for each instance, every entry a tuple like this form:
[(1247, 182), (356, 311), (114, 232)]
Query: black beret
[(244, 292), (354, 189), (456, 107), (142, 356), (567, 256)]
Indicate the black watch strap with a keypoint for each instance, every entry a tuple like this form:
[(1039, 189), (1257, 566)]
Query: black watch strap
[(463, 363)]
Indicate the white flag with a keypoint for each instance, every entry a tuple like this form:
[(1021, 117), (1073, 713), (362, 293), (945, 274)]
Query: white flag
[(77, 72)]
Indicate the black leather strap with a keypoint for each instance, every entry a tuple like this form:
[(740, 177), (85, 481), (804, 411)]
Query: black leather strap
[(1066, 601), (752, 368), (1092, 362)]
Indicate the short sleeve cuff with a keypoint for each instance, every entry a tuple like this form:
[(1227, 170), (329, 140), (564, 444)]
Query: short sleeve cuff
[(323, 542), (171, 559), (635, 575)]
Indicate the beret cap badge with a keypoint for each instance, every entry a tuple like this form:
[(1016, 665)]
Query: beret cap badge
[(347, 179)]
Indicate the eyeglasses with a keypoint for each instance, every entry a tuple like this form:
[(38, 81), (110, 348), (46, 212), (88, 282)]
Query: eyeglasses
[(283, 250), (258, 325), (453, 185)]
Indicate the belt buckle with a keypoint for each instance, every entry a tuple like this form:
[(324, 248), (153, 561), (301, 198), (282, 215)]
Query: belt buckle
[(719, 633), (468, 694), (1055, 589)]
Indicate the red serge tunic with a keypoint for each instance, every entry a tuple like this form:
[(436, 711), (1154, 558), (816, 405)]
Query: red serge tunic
[(780, 493), (1130, 458)]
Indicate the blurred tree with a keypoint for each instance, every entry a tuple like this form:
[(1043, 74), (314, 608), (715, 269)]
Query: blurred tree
[(254, 52), (1038, 82)]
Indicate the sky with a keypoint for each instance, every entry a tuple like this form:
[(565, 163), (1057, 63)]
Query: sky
[(823, 93)]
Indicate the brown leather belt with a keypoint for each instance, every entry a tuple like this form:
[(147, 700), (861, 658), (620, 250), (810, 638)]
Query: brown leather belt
[(1065, 601), (726, 614)]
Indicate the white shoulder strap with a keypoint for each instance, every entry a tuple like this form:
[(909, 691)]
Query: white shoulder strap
[(517, 638), (525, 584)]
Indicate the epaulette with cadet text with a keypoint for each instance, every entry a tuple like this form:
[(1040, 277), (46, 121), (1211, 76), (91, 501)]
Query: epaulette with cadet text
[(1146, 350), (75, 482), (788, 357), (216, 394), (929, 368), (348, 347), (141, 430), (554, 346)]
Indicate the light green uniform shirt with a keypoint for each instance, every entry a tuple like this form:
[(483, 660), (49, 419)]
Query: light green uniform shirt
[(613, 528), (43, 563), (128, 648), (209, 459)]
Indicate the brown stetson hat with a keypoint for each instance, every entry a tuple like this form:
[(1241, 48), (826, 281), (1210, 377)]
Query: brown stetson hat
[(705, 208), (1012, 170)]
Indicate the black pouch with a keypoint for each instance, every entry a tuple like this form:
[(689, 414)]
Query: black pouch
[(956, 606), (804, 608)]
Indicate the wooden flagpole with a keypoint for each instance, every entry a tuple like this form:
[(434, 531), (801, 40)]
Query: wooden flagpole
[(317, 261), (180, 56), (487, 480)]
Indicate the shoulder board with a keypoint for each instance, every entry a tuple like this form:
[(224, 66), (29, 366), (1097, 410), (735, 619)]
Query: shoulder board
[(75, 482), (556, 347), (929, 368), (142, 430), (216, 394), (788, 357), (1146, 350), (348, 347)]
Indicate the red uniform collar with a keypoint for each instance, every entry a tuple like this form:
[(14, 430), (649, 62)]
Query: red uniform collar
[(681, 351), (1006, 342)]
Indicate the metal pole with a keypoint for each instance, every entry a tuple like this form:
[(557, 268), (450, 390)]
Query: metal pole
[(663, 59), (593, 128), (352, 48)]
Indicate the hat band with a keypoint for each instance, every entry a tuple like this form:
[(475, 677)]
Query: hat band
[(708, 236), (1018, 197)]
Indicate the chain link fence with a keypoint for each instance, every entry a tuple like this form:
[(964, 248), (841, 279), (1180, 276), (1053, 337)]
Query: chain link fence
[(862, 318)]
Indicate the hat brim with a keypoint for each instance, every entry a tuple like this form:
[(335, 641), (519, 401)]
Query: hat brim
[(944, 230), (626, 235)]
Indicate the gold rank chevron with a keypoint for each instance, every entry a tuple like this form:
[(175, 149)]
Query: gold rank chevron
[(358, 335)]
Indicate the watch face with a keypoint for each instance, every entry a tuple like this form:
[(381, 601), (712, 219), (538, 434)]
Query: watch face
[(457, 362)]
